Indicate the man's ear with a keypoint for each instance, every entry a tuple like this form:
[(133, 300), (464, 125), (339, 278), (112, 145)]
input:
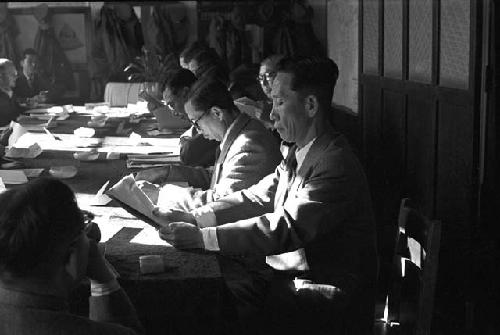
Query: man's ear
[(217, 112), (311, 105)]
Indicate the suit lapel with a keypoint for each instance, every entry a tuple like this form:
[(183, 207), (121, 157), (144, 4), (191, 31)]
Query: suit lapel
[(316, 150), (232, 133)]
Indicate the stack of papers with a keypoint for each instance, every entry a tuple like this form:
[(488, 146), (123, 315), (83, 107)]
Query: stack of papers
[(151, 160)]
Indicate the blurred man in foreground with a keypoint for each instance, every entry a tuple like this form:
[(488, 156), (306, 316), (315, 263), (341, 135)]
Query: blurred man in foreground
[(46, 249)]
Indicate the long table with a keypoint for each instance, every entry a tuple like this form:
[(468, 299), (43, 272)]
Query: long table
[(186, 299)]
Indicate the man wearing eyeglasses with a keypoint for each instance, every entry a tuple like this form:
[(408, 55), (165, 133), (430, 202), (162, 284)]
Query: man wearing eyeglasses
[(312, 218), (9, 108), (47, 246), (248, 151), (195, 149)]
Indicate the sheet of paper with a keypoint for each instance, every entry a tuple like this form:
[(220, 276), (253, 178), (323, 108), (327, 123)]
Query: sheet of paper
[(30, 152), (33, 173), (149, 236), (13, 177), (108, 229), (176, 197)]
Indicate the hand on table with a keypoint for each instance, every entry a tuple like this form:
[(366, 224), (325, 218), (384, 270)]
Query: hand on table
[(182, 235), (154, 175)]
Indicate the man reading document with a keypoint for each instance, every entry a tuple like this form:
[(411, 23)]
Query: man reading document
[(312, 217), (248, 152)]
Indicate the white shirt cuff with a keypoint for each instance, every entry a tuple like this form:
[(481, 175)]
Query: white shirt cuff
[(210, 238), (205, 216), (99, 289)]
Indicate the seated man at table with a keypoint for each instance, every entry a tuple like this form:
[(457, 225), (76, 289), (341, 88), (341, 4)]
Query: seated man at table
[(46, 248), (195, 149), (312, 217), (9, 108), (33, 84), (248, 151)]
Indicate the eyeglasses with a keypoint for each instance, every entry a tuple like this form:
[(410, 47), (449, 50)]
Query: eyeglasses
[(268, 76), (170, 105), (87, 221), (195, 122)]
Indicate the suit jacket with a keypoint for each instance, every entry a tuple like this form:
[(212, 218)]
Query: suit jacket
[(40, 83), (9, 109), (248, 153), (324, 208), (196, 150), (26, 314)]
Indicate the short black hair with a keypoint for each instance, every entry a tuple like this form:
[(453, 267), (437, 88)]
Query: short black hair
[(316, 75), (29, 51), (207, 93), (195, 47), (179, 79), (36, 220)]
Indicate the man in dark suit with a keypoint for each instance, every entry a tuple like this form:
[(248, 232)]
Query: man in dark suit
[(46, 247), (9, 108), (311, 218), (32, 83)]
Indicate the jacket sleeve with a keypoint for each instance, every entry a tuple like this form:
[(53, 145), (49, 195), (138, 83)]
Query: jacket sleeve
[(195, 176), (319, 206), (115, 308)]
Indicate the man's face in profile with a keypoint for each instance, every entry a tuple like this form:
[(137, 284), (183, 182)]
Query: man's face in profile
[(288, 113), (29, 64)]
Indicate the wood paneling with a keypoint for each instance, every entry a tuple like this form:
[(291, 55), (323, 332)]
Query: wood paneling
[(421, 151)]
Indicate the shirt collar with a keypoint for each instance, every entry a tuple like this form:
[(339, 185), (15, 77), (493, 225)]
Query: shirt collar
[(300, 153)]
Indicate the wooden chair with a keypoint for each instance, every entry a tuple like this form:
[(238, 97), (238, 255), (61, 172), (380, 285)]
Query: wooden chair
[(409, 304), (121, 94)]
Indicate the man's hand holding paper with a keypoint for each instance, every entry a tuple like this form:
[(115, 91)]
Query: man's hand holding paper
[(167, 216), (182, 235), (155, 175)]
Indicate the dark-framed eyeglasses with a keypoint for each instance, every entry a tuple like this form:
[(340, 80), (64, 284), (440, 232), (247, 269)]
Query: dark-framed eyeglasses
[(195, 122), (88, 218), (267, 76), (170, 105)]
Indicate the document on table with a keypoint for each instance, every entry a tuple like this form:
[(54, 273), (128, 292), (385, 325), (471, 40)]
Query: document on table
[(13, 177), (149, 236)]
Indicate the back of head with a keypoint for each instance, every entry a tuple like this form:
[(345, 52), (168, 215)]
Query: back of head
[(312, 75), (204, 59), (187, 54), (29, 52), (38, 221), (208, 93), (271, 62), (179, 79)]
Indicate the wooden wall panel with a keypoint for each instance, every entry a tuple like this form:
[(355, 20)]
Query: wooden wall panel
[(394, 152), (421, 151), (455, 162)]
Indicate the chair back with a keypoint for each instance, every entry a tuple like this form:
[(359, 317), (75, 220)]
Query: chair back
[(121, 94), (414, 272)]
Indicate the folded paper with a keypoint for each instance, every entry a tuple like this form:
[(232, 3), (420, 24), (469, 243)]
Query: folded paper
[(31, 152)]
